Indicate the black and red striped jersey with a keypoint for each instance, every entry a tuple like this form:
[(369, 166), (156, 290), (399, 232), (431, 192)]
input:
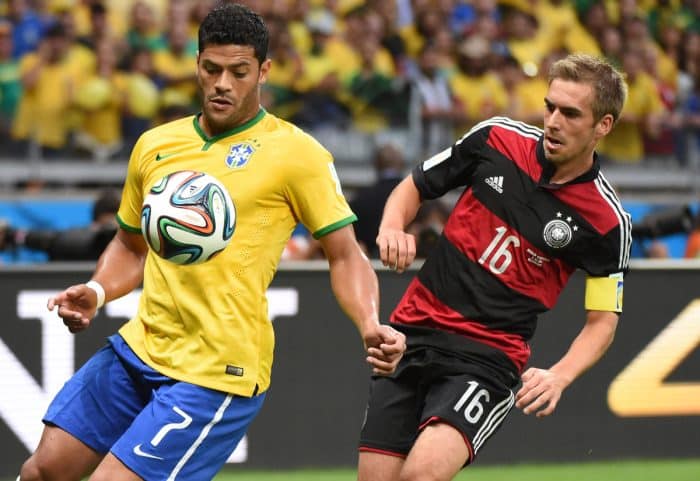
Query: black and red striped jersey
[(512, 240)]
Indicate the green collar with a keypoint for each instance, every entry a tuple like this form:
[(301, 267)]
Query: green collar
[(211, 140)]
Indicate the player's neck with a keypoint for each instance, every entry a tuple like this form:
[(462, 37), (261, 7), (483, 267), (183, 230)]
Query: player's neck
[(571, 170), (211, 130)]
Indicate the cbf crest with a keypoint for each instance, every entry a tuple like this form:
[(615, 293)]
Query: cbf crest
[(559, 232), (239, 154)]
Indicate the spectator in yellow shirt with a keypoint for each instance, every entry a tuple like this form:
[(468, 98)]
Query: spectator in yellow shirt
[(525, 41), (325, 69), (560, 28), (635, 33), (525, 94), (281, 94), (173, 64), (427, 22), (48, 83), (377, 100), (478, 89), (386, 14), (85, 11), (93, 23), (81, 58), (360, 23), (101, 100), (142, 100), (642, 114)]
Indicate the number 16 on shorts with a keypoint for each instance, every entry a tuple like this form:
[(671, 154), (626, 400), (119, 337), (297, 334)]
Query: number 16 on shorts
[(480, 410)]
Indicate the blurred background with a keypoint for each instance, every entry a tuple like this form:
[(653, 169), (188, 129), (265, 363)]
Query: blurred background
[(382, 84)]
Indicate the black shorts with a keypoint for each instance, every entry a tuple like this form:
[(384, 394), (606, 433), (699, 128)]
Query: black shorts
[(473, 392)]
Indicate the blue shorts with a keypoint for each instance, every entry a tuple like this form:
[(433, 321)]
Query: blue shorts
[(159, 427)]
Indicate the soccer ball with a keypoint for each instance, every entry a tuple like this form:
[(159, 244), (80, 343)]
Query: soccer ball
[(188, 217)]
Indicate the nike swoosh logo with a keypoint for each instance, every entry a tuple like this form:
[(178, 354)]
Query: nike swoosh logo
[(139, 452), (160, 156)]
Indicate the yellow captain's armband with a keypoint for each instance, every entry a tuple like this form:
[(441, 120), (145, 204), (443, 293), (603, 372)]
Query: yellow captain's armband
[(604, 293)]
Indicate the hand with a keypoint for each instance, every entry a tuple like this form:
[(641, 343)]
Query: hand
[(76, 306), (385, 347), (540, 392), (397, 249)]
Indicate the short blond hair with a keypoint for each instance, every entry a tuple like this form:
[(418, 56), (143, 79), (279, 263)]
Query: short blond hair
[(609, 87)]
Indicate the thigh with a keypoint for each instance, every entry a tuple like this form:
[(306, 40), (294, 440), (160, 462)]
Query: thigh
[(474, 403), (185, 432), (438, 454), (60, 456), (392, 415), (98, 403)]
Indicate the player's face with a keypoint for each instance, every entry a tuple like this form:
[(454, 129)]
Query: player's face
[(570, 131), (229, 80)]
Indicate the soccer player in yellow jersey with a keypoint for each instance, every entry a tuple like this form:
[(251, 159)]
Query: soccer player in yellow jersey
[(174, 391)]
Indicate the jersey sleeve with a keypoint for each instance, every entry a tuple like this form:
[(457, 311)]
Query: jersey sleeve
[(315, 194), (453, 167), (129, 214)]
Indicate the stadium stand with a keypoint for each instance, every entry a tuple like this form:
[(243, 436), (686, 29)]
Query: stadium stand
[(81, 79)]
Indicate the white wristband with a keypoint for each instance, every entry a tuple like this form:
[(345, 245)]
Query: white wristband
[(99, 290)]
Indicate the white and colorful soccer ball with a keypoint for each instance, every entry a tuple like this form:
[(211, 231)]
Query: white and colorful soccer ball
[(188, 217)]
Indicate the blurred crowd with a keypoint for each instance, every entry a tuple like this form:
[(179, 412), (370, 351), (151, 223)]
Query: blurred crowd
[(83, 78)]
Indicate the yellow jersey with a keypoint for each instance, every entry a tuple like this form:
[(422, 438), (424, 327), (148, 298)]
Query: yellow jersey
[(44, 111), (207, 324), (625, 143), (482, 96)]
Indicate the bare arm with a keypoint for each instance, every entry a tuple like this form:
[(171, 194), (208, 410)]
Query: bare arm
[(542, 388), (119, 270), (397, 249), (355, 286)]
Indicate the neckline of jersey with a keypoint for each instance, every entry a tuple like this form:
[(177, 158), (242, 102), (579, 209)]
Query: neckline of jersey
[(208, 141)]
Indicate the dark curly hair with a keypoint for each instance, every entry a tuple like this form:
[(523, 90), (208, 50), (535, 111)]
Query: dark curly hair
[(231, 23)]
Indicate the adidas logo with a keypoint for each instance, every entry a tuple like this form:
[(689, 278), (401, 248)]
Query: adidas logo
[(496, 182)]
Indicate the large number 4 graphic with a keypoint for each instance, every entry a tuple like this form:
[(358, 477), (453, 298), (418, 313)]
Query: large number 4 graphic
[(473, 409), (641, 389), (497, 250)]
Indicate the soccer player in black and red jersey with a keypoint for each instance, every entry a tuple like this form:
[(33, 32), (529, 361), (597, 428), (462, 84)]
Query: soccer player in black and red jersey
[(535, 208)]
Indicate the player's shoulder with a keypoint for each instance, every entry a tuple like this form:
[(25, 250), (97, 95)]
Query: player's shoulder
[(506, 124), (178, 126), (512, 138), (604, 207), (502, 131), (296, 141), (153, 140)]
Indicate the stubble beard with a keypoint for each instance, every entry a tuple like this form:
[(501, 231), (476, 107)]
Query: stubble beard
[(219, 124)]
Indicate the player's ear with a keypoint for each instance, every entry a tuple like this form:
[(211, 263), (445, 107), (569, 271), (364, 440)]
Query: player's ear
[(604, 125), (264, 70)]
